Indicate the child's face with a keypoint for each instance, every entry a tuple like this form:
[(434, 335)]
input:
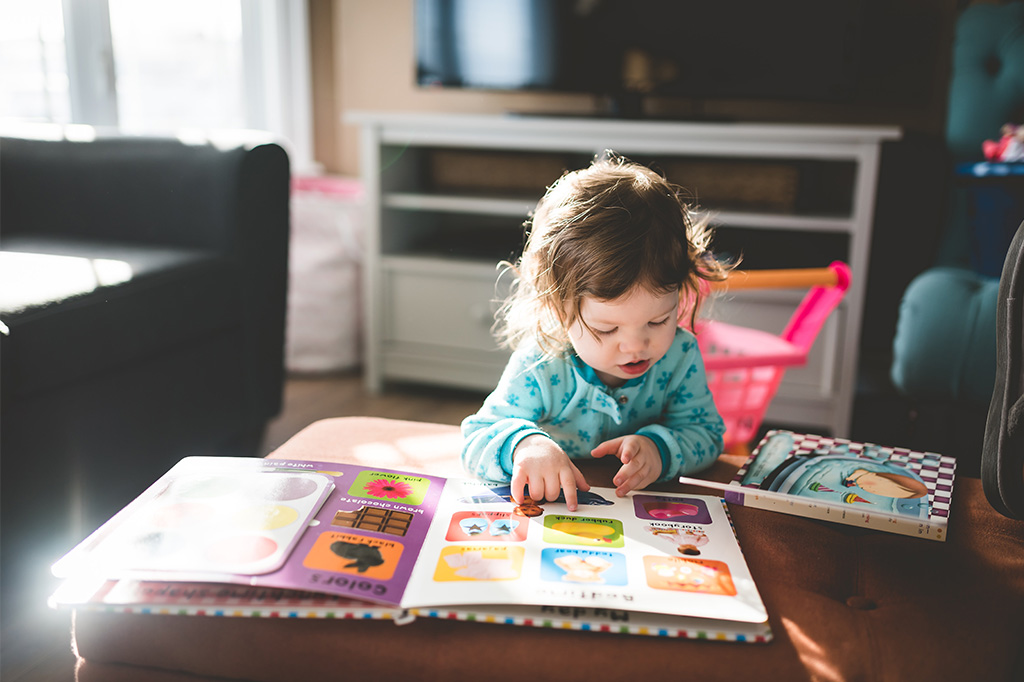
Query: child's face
[(633, 332)]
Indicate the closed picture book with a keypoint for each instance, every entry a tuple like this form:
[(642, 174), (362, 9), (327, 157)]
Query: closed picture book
[(278, 538), (861, 484)]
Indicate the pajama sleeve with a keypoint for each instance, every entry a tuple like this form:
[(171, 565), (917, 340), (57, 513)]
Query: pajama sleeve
[(508, 415), (689, 434)]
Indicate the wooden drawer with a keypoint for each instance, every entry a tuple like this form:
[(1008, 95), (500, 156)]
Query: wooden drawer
[(439, 303)]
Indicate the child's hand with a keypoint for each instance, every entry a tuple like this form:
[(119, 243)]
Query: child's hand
[(539, 463), (641, 462)]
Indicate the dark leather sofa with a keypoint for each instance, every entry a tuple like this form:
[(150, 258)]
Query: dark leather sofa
[(143, 294)]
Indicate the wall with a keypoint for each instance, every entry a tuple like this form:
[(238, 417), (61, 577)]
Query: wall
[(326, 144)]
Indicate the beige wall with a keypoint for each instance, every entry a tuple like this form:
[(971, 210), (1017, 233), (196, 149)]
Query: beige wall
[(326, 147), (364, 61), (375, 71)]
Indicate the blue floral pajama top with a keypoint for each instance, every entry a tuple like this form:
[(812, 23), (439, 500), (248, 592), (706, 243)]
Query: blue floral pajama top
[(564, 399)]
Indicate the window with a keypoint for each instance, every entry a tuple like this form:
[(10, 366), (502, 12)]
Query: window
[(34, 78), (178, 64), (147, 66)]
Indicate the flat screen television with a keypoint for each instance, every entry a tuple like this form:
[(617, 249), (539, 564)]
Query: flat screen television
[(838, 51)]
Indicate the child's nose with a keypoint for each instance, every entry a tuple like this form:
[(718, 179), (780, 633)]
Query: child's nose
[(634, 341)]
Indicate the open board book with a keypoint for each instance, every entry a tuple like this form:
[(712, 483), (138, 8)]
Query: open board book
[(265, 538), (887, 488)]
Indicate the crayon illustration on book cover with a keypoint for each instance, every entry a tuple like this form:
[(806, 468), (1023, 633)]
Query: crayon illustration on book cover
[(864, 476)]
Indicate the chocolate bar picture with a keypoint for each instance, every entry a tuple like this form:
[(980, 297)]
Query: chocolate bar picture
[(373, 518)]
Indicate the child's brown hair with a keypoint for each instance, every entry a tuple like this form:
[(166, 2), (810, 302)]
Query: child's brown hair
[(600, 232)]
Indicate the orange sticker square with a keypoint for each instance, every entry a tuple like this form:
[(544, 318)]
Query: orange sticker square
[(689, 575), (355, 554)]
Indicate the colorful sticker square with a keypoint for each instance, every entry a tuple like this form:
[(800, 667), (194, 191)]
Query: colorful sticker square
[(581, 530), (393, 487), (486, 526), (582, 566), (678, 509), (357, 554), (479, 562), (689, 575)]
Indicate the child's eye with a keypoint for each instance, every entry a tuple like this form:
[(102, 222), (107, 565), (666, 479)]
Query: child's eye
[(659, 322), (605, 332)]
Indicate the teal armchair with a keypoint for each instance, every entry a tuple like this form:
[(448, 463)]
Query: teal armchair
[(944, 347)]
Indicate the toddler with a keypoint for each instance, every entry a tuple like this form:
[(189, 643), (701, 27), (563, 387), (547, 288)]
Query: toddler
[(614, 263)]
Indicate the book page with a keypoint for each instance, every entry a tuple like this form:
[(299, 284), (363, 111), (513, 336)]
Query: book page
[(341, 529), (650, 552)]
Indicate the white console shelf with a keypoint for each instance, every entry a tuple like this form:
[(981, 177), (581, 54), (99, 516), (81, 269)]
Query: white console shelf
[(432, 253)]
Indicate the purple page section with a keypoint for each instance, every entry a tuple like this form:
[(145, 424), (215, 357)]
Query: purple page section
[(365, 539)]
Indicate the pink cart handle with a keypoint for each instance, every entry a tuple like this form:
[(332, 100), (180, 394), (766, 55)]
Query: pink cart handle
[(816, 306)]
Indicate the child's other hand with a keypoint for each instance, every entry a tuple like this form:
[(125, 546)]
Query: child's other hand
[(539, 463), (641, 462)]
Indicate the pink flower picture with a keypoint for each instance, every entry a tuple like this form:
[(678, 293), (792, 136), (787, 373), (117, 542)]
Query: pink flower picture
[(387, 488)]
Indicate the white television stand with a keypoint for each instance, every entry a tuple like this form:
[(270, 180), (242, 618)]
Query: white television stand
[(433, 247)]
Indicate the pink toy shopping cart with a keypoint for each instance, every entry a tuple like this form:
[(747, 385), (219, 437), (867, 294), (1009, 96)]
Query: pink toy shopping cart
[(744, 366)]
